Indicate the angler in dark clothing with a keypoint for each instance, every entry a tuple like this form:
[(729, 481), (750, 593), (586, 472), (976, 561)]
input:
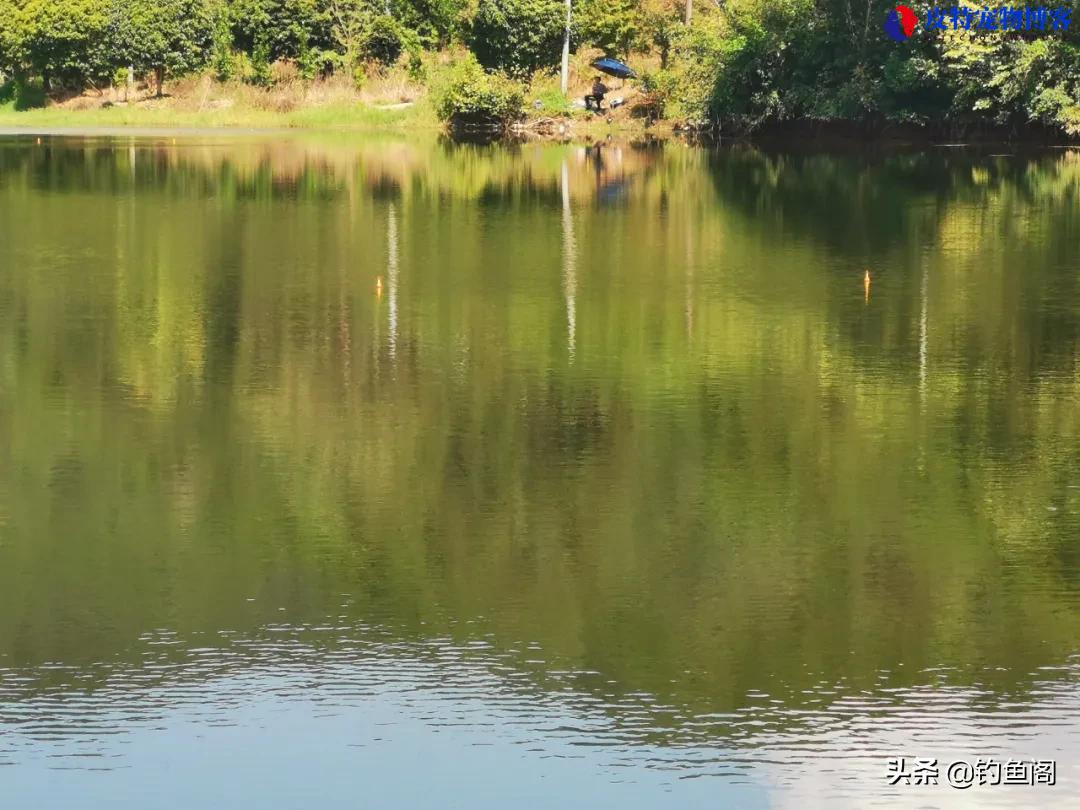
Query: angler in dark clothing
[(595, 100)]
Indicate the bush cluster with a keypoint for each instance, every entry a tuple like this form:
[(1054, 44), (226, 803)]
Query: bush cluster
[(472, 98)]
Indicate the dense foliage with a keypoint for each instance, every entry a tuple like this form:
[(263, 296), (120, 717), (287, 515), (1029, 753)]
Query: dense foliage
[(518, 36), (164, 37), (60, 40), (472, 97), (775, 60), (737, 63)]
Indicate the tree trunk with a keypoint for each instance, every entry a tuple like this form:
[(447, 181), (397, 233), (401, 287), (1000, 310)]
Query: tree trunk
[(564, 80), (159, 75), (689, 10)]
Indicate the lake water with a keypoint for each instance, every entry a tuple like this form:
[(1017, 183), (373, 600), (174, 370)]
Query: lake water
[(343, 473)]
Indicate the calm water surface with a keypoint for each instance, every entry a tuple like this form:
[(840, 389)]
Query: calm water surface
[(394, 474)]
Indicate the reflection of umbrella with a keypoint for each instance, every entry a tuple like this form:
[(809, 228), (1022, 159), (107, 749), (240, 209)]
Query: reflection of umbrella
[(613, 67), (611, 192)]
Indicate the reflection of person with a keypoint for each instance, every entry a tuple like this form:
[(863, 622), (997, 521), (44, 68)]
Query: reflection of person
[(609, 171), (596, 98), (597, 160)]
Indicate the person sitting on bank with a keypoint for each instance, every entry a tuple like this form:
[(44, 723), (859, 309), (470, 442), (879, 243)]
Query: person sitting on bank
[(595, 100)]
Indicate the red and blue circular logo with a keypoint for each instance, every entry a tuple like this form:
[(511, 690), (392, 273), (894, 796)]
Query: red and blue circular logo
[(901, 23)]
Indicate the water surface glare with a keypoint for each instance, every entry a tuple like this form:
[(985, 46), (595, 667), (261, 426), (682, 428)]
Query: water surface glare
[(397, 474)]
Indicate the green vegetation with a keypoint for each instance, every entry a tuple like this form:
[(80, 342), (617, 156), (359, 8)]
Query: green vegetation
[(470, 96), (349, 116), (737, 65), (518, 36)]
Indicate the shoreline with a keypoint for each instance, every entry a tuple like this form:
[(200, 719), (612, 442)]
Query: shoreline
[(937, 134), (375, 120), (198, 106), (135, 131)]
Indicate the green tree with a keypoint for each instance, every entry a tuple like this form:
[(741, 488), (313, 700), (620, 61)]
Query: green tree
[(1006, 79), (658, 26), (518, 36), (11, 38), (223, 58), (287, 27), (348, 23), (613, 25), (435, 22), (60, 41), (165, 37)]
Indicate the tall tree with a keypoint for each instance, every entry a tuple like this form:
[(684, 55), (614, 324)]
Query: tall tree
[(518, 36), (286, 26), (56, 40), (164, 37)]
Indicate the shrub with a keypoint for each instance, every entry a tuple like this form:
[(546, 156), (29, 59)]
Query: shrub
[(261, 73), (470, 97), (658, 88), (22, 94), (415, 67), (307, 59), (222, 58), (383, 41), (241, 67)]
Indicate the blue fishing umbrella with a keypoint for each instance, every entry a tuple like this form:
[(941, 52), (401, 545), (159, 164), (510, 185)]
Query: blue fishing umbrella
[(613, 67)]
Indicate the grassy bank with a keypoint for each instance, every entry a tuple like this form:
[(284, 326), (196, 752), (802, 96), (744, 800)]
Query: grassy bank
[(337, 116), (356, 116), (389, 104), (201, 102)]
